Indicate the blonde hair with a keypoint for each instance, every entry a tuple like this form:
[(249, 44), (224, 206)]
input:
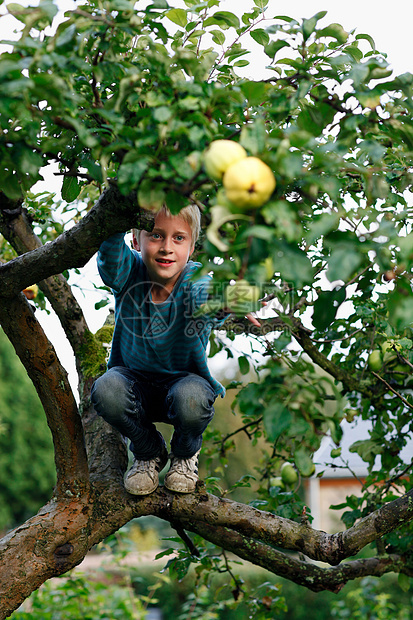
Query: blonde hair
[(190, 214)]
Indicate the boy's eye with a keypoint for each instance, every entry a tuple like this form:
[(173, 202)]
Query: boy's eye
[(179, 237), (156, 236)]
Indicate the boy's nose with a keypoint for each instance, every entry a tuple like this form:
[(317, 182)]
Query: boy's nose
[(166, 246)]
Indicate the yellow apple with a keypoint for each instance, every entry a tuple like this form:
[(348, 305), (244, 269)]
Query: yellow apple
[(31, 291), (220, 155), (249, 183)]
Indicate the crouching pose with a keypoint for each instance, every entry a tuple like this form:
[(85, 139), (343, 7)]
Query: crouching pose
[(157, 370)]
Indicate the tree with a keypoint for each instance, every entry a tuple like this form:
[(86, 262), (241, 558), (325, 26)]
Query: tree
[(123, 102)]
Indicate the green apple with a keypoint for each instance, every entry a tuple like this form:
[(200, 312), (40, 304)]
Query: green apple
[(401, 372), (242, 297), (389, 350), (276, 481), (220, 155), (288, 474), (249, 183), (375, 361)]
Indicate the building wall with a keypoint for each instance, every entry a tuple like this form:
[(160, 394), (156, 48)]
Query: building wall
[(322, 493)]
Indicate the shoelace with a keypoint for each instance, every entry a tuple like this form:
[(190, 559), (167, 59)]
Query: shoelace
[(185, 466), (142, 466)]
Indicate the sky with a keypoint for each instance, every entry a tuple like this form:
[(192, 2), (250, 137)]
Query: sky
[(389, 24)]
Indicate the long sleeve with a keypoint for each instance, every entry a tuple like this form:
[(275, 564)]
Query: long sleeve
[(115, 262)]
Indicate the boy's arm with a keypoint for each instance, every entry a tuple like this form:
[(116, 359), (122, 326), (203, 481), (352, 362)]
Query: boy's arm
[(115, 261)]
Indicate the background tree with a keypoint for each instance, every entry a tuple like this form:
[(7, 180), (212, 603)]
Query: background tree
[(26, 449), (123, 102)]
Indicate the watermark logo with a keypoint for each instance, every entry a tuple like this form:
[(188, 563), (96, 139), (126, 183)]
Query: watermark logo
[(143, 318), (199, 310)]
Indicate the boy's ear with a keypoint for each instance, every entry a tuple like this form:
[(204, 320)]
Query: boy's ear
[(191, 251), (135, 242)]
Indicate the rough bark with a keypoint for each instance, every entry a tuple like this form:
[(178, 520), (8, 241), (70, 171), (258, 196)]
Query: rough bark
[(58, 538)]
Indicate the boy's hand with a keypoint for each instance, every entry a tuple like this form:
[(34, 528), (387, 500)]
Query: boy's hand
[(253, 320)]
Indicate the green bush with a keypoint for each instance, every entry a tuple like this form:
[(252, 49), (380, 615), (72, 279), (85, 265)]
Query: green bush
[(77, 597), (27, 470)]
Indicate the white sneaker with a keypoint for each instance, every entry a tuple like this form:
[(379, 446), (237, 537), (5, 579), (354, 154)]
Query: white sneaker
[(183, 474), (143, 477)]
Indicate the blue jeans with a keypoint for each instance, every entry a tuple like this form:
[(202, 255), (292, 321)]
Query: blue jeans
[(132, 401)]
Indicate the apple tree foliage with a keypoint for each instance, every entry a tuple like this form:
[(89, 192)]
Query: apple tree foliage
[(121, 99)]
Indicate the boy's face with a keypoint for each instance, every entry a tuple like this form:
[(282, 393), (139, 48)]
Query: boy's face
[(166, 250)]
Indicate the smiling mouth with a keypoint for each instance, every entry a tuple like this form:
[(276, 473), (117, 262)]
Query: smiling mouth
[(164, 261)]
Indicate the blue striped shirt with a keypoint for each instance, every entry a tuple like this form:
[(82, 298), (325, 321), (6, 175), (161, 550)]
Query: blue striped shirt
[(162, 338)]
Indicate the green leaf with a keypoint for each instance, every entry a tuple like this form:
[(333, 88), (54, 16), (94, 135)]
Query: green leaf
[(303, 462), (368, 38), (178, 17), (367, 449), (70, 189), (224, 19), (277, 420), (336, 31), (308, 27), (218, 37), (401, 308), (260, 36), (150, 195), (292, 264), (254, 92), (162, 114), (404, 581), (131, 171), (343, 262), (244, 365), (11, 186), (272, 48), (321, 226), (253, 137), (315, 119), (175, 201), (326, 307), (29, 161), (282, 216)]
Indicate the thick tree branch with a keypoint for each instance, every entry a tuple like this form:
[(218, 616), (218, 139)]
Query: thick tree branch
[(58, 538), (308, 574)]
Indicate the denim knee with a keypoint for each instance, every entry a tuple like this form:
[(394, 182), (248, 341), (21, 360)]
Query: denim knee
[(190, 402), (109, 395)]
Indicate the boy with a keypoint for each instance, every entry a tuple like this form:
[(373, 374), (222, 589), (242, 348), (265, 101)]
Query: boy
[(157, 370)]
